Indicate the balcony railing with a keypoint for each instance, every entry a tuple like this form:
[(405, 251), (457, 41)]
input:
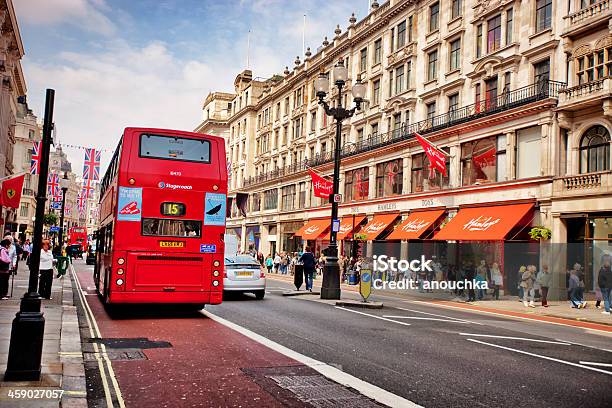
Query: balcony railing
[(590, 11), (583, 181), (507, 100), (584, 89)]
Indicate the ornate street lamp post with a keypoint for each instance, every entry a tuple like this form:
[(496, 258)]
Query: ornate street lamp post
[(64, 182), (331, 274)]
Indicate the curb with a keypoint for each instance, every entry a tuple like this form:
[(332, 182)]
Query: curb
[(300, 293), (360, 304), (71, 351)]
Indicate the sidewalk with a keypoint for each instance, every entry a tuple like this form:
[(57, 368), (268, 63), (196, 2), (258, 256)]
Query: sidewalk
[(62, 359), (509, 306)]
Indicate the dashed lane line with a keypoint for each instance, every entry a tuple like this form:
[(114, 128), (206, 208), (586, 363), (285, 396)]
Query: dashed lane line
[(369, 390), (433, 319), (595, 364), (437, 315), (542, 357), (561, 343), (371, 315)]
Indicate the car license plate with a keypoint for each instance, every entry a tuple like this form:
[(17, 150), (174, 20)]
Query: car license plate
[(244, 274)]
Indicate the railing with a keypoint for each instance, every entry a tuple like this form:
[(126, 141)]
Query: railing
[(507, 100), (583, 181), (588, 12), (584, 89)]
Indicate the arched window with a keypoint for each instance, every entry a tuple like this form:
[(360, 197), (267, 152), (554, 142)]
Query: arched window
[(595, 150)]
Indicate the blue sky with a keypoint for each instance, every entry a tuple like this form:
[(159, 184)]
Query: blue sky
[(118, 63)]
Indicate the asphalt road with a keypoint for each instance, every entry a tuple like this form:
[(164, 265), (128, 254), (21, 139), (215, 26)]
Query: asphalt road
[(437, 357)]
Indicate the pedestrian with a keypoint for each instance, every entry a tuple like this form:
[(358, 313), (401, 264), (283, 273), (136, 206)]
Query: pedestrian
[(604, 281), (277, 260), (260, 258), (470, 277), (575, 291), (479, 279), (308, 260), (269, 263), (521, 290), (544, 280), (497, 279), (46, 270), (527, 283), (12, 251), (5, 268), (27, 250), (283, 263)]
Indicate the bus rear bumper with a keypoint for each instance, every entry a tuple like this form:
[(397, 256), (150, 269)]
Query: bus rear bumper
[(167, 297)]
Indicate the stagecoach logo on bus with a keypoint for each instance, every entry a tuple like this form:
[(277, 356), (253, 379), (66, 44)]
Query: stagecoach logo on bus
[(129, 204), (163, 184), (386, 267), (214, 209)]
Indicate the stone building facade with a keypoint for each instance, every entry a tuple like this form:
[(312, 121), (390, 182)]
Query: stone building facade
[(514, 91)]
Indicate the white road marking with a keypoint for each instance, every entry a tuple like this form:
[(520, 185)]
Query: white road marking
[(515, 338), (504, 315), (595, 364), (371, 315), (435, 319), (334, 374), (437, 315), (94, 331), (543, 357)]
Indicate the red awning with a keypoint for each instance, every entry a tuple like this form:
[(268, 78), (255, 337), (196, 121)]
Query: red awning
[(378, 224), (416, 224), (313, 229), (347, 225), (484, 223)]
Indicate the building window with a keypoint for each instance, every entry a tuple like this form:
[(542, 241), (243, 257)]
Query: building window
[(376, 92), (434, 16), (359, 136), (389, 177), (595, 150), (408, 74), (401, 34), (424, 178), (313, 121), (479, 160), (432, 65), (256, 201), (453, 102), (543, 14), (410, 28), (24, 211), (509, 17), (431, 110), (528, 152), (374, 129), (363, 60), (491, 93), (357, 184), (302, 195), (397, 124), (494, 34), (399, 79), (594, 66), (286, 106), (542, 71), (288, 197), (377, 51), (479, 41), (392, 39), (455, 54), (455, 8), (271, 199)]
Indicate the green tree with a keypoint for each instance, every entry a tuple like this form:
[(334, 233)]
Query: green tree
[(50, 219)]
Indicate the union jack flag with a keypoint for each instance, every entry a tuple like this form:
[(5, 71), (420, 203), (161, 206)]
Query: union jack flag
[(91, 166), (87, 189), (35, 162), (53, 186), (82, 201)]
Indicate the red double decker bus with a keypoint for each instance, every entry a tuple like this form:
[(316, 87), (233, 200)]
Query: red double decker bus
[(162, 219), (78, 236)]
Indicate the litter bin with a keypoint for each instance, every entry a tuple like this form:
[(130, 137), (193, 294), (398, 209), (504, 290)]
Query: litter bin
[(62, 265), (298, 276), (353, 278)]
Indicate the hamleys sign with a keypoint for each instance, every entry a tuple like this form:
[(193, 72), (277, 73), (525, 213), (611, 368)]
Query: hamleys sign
[(374, 227), (481, 223), (312, 229), (415, 225)]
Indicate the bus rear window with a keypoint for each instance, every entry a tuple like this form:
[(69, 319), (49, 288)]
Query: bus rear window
[(162, 227), (174, 148)]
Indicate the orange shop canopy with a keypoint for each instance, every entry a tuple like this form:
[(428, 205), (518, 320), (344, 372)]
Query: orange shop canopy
[(484, 223), (347, 225), (378, 224), (416, 224), (313, 228)]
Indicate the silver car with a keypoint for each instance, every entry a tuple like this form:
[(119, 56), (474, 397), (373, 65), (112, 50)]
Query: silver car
[(244, 274)]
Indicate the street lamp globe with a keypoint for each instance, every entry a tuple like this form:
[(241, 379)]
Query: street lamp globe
[(321, 85), (359, 91), (65, 182), (340, 73)]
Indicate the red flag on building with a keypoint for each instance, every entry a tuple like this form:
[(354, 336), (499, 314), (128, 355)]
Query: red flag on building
[(485, 159), (437, 158), (11, 191), (322, 187)]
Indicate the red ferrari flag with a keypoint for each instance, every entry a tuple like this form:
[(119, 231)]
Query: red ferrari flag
[(11, 191), (322, 187), (437, 158)]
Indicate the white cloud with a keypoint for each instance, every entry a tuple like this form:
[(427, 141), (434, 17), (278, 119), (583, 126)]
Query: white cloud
[(85, 14)]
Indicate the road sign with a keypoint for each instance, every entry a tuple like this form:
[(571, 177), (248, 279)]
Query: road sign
[(337, 198), (54, 229), (56, 205), (336, 225), (365, 283)]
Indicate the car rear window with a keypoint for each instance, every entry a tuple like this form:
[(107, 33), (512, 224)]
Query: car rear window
[(174, 148)]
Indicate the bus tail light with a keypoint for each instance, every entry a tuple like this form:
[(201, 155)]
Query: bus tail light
[(120, 271), (120, 261), (216, 262), (119, 282), (215, 283), (216, 273)]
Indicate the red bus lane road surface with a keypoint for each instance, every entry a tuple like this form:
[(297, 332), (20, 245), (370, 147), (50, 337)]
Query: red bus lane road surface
[(206, 363)]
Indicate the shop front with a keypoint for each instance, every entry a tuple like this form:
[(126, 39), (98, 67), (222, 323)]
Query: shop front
[(478, 238), (290, 242), (348, 226), (253, 237), (376, 229), (312, 233)]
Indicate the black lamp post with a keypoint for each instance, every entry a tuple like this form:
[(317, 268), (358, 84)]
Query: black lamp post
[(330, 288), (64, 182), (25, 350)]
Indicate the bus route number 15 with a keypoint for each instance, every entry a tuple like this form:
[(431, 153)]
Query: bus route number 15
[(173, 209)]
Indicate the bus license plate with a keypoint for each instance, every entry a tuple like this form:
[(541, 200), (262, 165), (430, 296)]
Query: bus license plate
[(244, 274), (172, 244)]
